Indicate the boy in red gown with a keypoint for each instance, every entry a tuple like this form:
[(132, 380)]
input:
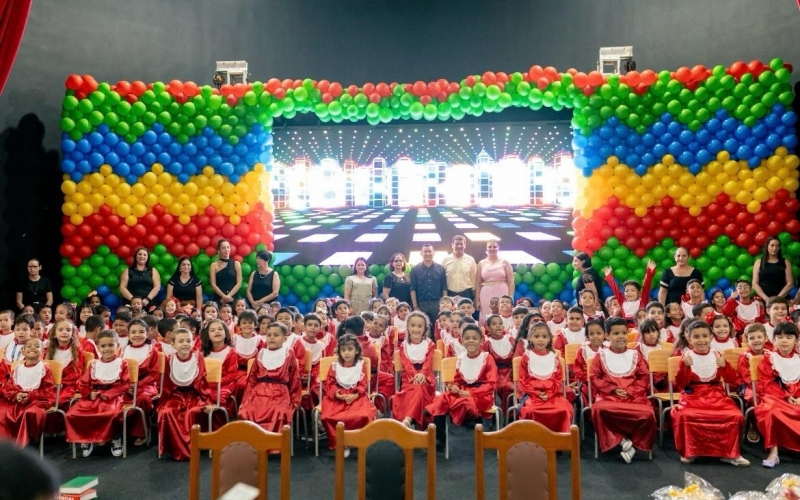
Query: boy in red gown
[(146, 355), (26, 396), (622, 415)]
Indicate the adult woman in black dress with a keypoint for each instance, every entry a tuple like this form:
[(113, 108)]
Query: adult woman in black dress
[(264, 282), (141, 279), (589, 279), (37, 291), (397, 283), (772, 273), (225, 275), (674, 279), (184, 285)]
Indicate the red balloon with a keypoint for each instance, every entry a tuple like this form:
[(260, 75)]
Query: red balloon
[(231, 100), (695, 252), (150, 240), (158, 209), (139, 231), (731, 230), (754, 250), (74, 82), (640, 252), (659, 234), (191, 229), (742, 218), (596, 78), (425, 100), (159, 230), (782, 194), (738, 69), (743, 240), (228, 230), (218, 221), (203, 241), (714, 230), (210, 231), (761, 238), (244, 249), (667, 201), (75, 261), (640, 232), (352, 90), (236, 240), (542, 83), (668, 224), (614, 222), (112, 241), (184, 239), (419, 88), (751, 229), (578, 243), (335, 89), (167, 240), (192, 249), (793, 226), (621, 233), (606, 233), (178, 249), (253, 239)]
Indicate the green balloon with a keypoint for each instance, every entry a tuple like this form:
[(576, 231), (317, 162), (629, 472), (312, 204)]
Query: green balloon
[(521, 268), (606, 253), (714, 273), (290, 280), (299, 289), (553, 269), (325, 270), (731, 273), (68, 293), (517, 278), (538, 270), (312, 271), (743, 260), (344, 271), (621, 253), (612, 242), (633, 262), (703, 263), (320, 280), (284, 270), (374, 269), (112, 281), (299, 271), (84, 271), (335, 280), (555, 287), (284, 290), (539, 288), (82, 292), (103, 271), (527, 278)]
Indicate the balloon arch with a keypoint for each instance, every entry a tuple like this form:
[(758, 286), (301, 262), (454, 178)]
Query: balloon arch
[(699, 157)]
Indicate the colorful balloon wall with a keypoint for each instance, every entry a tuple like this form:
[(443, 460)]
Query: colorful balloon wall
[(697, 157)]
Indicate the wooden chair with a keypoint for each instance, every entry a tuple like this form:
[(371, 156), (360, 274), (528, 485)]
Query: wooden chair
[(162, 367), (732, 358), (754, 362), (300, 413), (394, 432), (88, 357), (373, 391), (214, 378), (448, 375), (244, 446), (570, 355), (324, 365), (515, 366), (673, 362), (633, 336), (57, 370), (588, 405), (530, 448), (657, 362)]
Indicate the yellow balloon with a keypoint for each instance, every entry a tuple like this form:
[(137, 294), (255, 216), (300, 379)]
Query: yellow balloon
[(731, 188), (774, 184), (775, 163), (165, 179), (731, 168), (217, 200), (702, 179), (202, 201), (139, 210), (158, 189), (621, 191), (123, 190), (131, 200), (105, 170), (668, 160), (208, 171), (639, 190), (165, 199), (190, 209), (182, 198), (69, 208), (123, 210), (216, 181), (190, 189), (235, 219), (85, 209), (131, 220), (744, 174), (259, 168), (703, 199), (722, 178), (68, 187), (695, 210), (723, 156), (157, 168), (84, 187), (78, 198), (269, 206), (96, 199), (659, 192), (96, 179), (784, 173), (714, 188), (612, 161), (150, 199), (113, 180), (227, 189), (791, 185), (714, 168), (176, 188), (648, 200), (105, 190), (235, 198), (694, 190), (792, 161), (750, 184), (149, 179), (675, 191), (228, 209), (184, 219), (209, 191), (753, 207), (76, 219), (762, 194), (744, 197), (176, 209), (113, 200), (242, 188), (781, 151), (138, 190), (632, 200), (761, 174), (686, 200), (640, 211), (686, 179)]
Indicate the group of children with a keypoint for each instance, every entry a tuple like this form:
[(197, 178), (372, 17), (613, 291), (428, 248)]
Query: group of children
[(269, 366)]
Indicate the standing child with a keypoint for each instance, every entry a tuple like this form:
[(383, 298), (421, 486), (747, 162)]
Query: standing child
[(417, 384), (286, 317), (239, 307), (319, 348), (649, 341), (506, 311), (718, 300), (471, 393), (121, 323), (184, 398), (621, 413), (341, 310), (656, 312), (778, 408), (96, 418), (64, 349), (445, 304), (541, 382), (45, 314), (558, 316), (273, 390), (756, 338), (376, 334), (227, 317), (545, 307), (574, 333), (518, 314), (742, 308), (635, 296), (467, 307), (215, 340), (84, 312), (140, 348), (346, 398), (706, 421), (589, 305), (722, 330), (501, 348), (246, 344), (26, 396), (674, 319)]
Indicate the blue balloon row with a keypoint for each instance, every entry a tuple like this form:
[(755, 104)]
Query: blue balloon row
[(692, 149), (131, 161)]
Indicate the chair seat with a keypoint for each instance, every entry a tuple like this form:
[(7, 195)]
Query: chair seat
[(663, 396), (127, 406), (734, 395), (52, 409)]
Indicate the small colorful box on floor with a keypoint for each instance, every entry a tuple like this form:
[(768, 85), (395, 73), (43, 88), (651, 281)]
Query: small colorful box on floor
[(79, 488)]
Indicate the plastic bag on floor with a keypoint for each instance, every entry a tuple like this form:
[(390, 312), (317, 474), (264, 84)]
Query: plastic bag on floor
[(785, 487), (695, 488)]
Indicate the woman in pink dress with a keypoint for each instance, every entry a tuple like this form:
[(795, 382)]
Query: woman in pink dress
[(493, 278)]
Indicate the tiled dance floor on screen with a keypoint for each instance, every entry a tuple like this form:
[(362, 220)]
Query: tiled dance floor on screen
[(527, 235)]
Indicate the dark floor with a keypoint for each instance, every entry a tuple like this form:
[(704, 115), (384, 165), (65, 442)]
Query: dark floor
[(143, 476)]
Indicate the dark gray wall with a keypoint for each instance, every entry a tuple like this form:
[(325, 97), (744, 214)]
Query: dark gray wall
[(352, 41)]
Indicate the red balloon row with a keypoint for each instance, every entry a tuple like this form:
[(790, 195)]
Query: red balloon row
[(669, 220), (201, 234)]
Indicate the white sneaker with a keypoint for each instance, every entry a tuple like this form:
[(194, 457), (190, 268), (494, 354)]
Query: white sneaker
[(738, 461), (346, 452), (627, 455), (116, 447), (86, 449), (626, 444)]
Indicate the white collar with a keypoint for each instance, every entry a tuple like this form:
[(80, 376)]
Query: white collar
[(416, 353), (619, 364), (246, 346), (138, 353), (29, 378), (106, 373), (704, 365), (317, 347), (63, 356), (787, 368), (184, 373), (542, 366), (502, 346), (574, 337), (349, 376), (273, 359), (470, 368), (221, 354)]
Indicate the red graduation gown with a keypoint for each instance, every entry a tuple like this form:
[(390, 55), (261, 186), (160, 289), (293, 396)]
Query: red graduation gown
[(706, 422), (615, 417), (777, 419), (743, 380), (356, 415), (412, 399), (145, 391), (580, 373), (98, 420), (179, 408), (479, 401), (556, 412), (326, 346), (242, 359), (271, 395), (25, 420), (505, 384)]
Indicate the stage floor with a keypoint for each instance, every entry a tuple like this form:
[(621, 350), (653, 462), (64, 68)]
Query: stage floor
[(527, 235)]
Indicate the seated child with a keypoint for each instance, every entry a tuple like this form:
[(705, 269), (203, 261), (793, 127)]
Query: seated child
[(558, 316), (165, 328), (706, 422), (648, 341), (541, 379), (501, 348), (417, 383), (518, 314), (574, 333), (471, 394), (26, 396), (694, 295), (96, 418), (506, 308), (455, 347), (674, 318), (595, 338), (7, 325), (722, 331), (64, 348), (777, 310), (383, 344), (756, 337), (621, 413), (216, 344), (246, 344), (589, 305), (345, 394), (320, 348), (442, 323), (92, 328), (656, 312), (636, 296), (23, 329), (778, 408), (141, 349), (741, 307), (399, 321)]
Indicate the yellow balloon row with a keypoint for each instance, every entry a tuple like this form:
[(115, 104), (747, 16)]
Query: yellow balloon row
[(746, 186), (132, 202)]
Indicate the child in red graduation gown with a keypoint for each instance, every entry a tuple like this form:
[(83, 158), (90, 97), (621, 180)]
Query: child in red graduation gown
[(778, 389), (500, 346), (621, 413), (184, 398), (146, 355), (541, 382), (595, 336), (216, 344), (418, 385), (756, 337), (384, 344), (246, 344), (648, 341), (320, 348), (273, 388), (346, 399), (26, 396), (471, 394), (706, 421), (96, 417), (23, 329), (573, 333)]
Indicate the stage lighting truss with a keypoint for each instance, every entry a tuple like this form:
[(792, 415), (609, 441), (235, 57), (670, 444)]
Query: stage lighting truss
[(615, 60)]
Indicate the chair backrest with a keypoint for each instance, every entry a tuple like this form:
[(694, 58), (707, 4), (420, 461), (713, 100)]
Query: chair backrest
[(754, 362), (88, 357), (250, 364), (368, 369), (672, 367), (239, 455), (394, 432), (398, 363), (633, 335), (440, 345), (325, 365), (162, 369), (448, 369), (213, 370), (527, 460), (515, 365), (632, 345), (669, 346), (589, 362), (657, 360), (308, 361), (133, 369), (732, 355), (56, 369), (571, 353)]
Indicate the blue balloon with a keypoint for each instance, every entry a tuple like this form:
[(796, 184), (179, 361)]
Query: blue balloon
[(164, 139), (580, 161), (605, 132), (122, 148), (215, 141), (112, 159), (156, 149), (122, 169), (76, 176), (789, 118), (183, 178), (67, 145), (695, 168), (174, 149), (754, 162), (111, 301), (149, 137), (208, 131), (83, 146), (613, 121), (674, 128), (131, 179), (67, 166), (676, 148), (226, 168), (111, 139), (138, 169), (790, 141), (200, 161), (723, 283), (174, 168), (234, 178), (742, 132), (215, 161), (95, 139), (744, 152), (730, 124), (760, 131), (713, 124), (641, 170), (659, 151), (103, 290), (714, 146), (190, 149), (95, 160), (103, 129), (659, 129), (164, 159), (158, 127), (84, 166)]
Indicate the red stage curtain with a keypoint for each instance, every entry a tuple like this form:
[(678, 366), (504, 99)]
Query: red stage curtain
[(13, 17)]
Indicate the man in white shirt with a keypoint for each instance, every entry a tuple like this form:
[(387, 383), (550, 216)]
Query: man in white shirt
[(460, 270)]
